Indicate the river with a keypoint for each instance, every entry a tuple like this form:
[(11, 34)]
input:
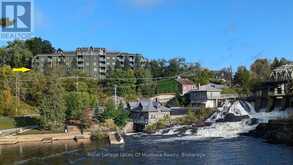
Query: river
[(151, 149), (216, 144)]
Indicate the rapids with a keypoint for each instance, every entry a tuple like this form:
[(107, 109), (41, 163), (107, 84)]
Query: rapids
[(229, 121)]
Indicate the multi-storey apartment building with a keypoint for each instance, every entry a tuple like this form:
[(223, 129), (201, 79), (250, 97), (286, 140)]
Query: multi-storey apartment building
[(93, 61)]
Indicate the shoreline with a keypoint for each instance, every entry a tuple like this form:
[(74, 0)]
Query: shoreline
[(43, 138)]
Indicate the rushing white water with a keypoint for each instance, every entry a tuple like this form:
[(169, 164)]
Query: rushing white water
[(237, 109), (169, 131), (225, 129)]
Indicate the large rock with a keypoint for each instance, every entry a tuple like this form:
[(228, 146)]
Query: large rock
[(276, 131), (230, 117)]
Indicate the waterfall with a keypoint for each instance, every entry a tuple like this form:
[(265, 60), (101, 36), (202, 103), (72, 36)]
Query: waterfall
[(229, 121)]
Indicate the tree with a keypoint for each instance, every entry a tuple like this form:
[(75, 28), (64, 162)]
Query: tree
[(126, 81), (242, 78), (260, 70), (34, 89), (127, 64), (77, 102), (52, 107), (144, 83), (38, 46), (157, 67), (18, 55), (118, 114), (176, 65), (6, 96), (138, 62), (202, 76), (3, 56)]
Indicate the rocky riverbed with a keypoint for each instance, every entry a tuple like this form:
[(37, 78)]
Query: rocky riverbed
[(275, 131)]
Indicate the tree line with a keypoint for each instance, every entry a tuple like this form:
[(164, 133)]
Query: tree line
[(60, 96)]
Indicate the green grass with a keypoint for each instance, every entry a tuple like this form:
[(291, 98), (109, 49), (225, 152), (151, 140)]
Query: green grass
[(229, 91), (167, 86), (10, 122), (6, 122)]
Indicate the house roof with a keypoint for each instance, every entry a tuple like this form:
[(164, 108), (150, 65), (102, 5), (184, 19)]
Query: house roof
[(146, 105), (211, 87), (185, 81)]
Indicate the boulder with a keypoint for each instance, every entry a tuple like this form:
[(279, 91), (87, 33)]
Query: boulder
[(276, 132), (230, 117)]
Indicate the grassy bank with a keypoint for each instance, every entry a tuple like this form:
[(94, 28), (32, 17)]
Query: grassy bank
[(14, 122), (7, 122), (167, 86), (192, 117)]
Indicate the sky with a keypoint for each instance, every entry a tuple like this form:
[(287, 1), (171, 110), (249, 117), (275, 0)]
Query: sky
[(215, 33)]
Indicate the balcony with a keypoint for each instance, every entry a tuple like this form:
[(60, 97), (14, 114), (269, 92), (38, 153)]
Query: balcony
[(131, 58), (102, 70), (80, 65), (102, 59), (102, 64), (120, 58)]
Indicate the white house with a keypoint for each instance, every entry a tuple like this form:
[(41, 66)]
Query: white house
[(209, 96)]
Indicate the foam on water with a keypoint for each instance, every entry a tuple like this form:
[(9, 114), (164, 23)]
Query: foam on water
[(188, 132), (264, 117), (237, 109), (225, 129), (169, 131)]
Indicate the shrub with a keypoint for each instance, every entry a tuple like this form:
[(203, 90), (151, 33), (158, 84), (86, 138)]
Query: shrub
[(118, 114), (192, 117), (160, 124)]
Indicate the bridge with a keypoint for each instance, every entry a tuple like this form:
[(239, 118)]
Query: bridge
[(282, 73)]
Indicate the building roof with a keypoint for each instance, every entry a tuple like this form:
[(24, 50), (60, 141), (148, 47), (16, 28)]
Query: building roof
[(57, 54), (147, 105), (211, 87), (185, 81)]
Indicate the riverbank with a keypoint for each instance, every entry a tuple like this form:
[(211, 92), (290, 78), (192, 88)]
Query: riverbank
[(45, 138), (193, 118), (275, 131)]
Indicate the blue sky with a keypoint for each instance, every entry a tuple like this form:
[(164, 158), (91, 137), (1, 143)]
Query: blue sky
[(216, 33)]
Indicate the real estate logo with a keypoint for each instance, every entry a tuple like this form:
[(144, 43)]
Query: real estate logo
[(16, 19)]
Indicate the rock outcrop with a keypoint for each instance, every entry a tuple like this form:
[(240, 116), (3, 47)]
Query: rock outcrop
[(275, 131)]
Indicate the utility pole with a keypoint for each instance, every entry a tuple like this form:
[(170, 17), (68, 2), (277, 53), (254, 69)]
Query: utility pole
[(16, 92), (16, 70), (115, 95), (76, 83)]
